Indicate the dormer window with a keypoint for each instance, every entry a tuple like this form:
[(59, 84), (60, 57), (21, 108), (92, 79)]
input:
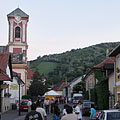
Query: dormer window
[(17, 32)]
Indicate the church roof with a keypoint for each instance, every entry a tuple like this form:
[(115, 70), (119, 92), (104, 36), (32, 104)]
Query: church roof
[(18, 11)]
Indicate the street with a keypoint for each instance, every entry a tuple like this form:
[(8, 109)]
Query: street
[(13, 115)]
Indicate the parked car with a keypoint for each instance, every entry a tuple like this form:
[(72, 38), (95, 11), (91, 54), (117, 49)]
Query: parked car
[(24, 105), (109, 115), (86, 108)]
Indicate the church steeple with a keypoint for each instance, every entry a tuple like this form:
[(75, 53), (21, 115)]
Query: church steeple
[(17, 43), (17, 40)]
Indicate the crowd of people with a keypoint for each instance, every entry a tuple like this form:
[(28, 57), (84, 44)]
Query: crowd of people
[(38, 110)]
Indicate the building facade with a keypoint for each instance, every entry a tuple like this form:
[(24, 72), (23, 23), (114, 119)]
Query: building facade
[(116, 53), (17, 43)]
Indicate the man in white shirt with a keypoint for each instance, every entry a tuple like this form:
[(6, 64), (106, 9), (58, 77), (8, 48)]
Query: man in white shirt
[(77, 110), (42, 112), (69, 115)]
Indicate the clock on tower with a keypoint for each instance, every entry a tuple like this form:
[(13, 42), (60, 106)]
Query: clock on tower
[(17, 18)]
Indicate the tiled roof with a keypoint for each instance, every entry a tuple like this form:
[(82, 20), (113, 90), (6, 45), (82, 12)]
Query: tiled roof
[(109, 60), (18, 11), (4, 77), (30, 74), (60, 86), (4, 57)]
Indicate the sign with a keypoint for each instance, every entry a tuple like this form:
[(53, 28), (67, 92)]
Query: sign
[(3, 86), (14, 87)]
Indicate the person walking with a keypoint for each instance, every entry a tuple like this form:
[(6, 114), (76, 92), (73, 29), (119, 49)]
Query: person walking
[(52, 106), (33, 114), (70, 115), (77, 110), (29, 105), (56, 111), (117, 105), (47, 103), (64, 110), (92, 112), (41, 111)]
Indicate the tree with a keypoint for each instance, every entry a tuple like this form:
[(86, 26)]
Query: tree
[(36, 76), (78, 87), (37, 88)]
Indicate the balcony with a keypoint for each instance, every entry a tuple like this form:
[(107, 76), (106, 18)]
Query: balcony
[(18, 58)]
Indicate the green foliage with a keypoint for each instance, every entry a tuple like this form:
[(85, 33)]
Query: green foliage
[(37, 88), (43, 67), (102, 95), (26, 97), (77, 88), (70, 64), (98, 74), (86, 95), (93, 95)]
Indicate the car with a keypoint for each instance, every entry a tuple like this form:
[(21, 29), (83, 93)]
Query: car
[(86, 100), (86, 108), (109, 115), (24, 105)]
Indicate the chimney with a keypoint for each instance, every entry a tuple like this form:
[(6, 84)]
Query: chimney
[(107, 52)]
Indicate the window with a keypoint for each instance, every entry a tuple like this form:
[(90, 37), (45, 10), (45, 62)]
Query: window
[(17, 32)]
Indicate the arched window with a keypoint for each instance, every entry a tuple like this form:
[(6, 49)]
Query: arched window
[(17, 32)]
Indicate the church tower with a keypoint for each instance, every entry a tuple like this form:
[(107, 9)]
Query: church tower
[(17, 43)]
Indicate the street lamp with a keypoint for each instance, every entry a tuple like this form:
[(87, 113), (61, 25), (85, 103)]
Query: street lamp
[(19, 82)]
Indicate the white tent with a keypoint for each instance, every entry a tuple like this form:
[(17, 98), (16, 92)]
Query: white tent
[(52, 93)]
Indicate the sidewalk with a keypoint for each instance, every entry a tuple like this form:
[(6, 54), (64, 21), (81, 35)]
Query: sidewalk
[(13, 115)]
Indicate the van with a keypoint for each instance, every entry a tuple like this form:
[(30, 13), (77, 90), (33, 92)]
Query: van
[(77, 97)]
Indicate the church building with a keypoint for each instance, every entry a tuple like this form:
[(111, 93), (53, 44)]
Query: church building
[(17, 43)]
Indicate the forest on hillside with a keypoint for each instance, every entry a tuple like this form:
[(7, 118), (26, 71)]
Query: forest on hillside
[(70, 64)]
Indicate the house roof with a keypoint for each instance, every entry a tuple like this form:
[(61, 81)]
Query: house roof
[(19, 12), (109, 60), (60, 86), (115, 51), (19, 79), (4, 57), (4, 77), (30, 74), (75, 80)]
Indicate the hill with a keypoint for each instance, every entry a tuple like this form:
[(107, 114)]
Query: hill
[(71, 64)]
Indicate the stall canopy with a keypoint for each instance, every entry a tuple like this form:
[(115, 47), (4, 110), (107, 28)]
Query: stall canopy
[(52, 93)]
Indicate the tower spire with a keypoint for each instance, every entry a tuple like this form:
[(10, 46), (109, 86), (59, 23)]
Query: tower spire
[(18, 3)]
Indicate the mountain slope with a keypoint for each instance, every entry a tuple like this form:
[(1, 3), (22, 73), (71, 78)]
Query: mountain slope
[(71, 64)]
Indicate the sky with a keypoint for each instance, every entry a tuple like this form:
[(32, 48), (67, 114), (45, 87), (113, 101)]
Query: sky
[(56, 26)]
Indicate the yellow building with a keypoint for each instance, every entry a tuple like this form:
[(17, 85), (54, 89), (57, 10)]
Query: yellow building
[(116, 53)]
